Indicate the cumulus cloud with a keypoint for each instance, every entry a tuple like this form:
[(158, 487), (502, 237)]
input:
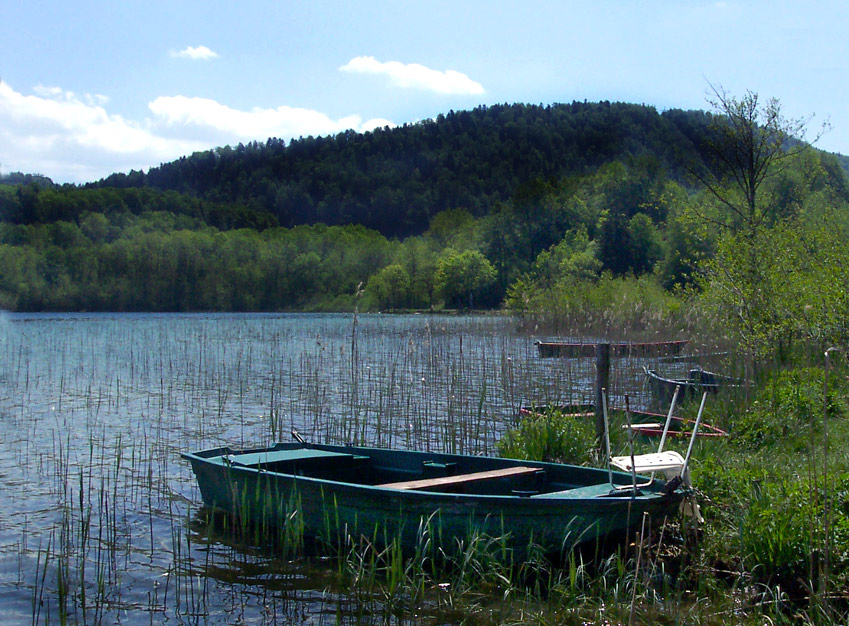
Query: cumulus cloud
[(199, 53), (415, 76), (284, 121), (74, 138)]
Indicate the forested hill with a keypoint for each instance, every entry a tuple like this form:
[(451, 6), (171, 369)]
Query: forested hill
[(524, 206), (395, 180)]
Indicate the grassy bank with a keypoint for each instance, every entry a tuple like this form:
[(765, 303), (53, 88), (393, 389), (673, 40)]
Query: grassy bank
[(775, 495)]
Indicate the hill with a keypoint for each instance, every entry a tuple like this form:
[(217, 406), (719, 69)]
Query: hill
[(395, 180), (519, 205)]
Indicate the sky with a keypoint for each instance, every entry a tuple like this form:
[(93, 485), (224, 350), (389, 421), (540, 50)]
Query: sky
[(102, 86)]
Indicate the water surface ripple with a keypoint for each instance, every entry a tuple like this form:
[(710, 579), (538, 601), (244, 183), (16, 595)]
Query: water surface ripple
[(97, 509)]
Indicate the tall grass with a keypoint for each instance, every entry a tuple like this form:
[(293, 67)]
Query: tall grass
[(620, 307)]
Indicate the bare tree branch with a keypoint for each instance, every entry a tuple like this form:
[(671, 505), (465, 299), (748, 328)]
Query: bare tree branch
[(749, 142)]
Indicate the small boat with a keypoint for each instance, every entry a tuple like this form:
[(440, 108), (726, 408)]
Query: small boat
[(553, 349), (697, 382), (678, 427), (381, 493), (644, 423)]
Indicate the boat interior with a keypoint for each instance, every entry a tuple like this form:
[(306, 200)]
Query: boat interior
[(437, 473)]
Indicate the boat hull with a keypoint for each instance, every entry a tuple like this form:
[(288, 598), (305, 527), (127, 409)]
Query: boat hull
[(333, 510), (697, 383), (554, 349)]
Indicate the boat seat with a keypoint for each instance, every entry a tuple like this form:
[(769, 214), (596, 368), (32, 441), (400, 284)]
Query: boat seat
[(460, 480), (316, 463), (587, 491), (669, 464)]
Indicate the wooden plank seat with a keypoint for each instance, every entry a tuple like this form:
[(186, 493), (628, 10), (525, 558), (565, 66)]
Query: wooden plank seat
[(448, 482)]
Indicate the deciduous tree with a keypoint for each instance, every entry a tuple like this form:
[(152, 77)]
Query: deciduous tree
[(748, 142), (461, 276)]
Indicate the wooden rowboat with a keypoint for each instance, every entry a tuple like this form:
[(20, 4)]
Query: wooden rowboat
[(697, 382), (553, 349), (381, 493)]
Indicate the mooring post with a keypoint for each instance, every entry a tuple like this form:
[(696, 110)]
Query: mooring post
[(602, 381)]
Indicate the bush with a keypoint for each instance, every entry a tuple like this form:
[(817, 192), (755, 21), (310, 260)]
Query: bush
[(553, 437), (784, 408)]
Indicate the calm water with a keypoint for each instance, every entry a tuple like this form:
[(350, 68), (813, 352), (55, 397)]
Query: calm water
[(96, 506)]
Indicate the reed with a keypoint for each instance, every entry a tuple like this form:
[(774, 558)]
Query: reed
[(101, 520)]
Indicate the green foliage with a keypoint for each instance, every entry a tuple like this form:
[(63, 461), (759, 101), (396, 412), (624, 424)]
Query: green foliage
[(462, 276), (573, 259), (543, 201), (395, 180), (774, 278), (153, 266), (445, 225), (786, 406), (554, 437), (775, 530), (778, 496), (768, 520), (645, 246), (37, 204), (686, 246), (620, 304), (390, 287), (97, 228), (785, 283), (418, 257)]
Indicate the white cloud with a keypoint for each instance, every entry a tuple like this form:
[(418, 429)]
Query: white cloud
[(60, 95), (415, 76), (284, 121), (48, 92), (73, 138), (200, 53)]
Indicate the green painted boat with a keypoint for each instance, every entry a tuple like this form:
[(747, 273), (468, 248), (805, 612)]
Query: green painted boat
[(386, 494)]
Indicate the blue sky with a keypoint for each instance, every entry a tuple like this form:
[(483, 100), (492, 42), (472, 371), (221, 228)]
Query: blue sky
[(90, 88)]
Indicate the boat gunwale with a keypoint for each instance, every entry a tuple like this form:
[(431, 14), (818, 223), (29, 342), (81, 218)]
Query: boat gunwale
[(215, 458)]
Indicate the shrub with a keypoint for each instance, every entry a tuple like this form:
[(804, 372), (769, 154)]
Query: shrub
[(554, 437), (784, 408)]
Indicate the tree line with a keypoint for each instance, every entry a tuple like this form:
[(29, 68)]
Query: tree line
[(625, 219), (536, 240)]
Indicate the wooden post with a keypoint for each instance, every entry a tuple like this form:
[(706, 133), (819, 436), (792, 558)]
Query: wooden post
[(602, 381)]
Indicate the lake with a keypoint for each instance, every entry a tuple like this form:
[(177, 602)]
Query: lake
[(98, 513)]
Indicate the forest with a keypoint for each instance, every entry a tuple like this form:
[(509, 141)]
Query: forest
[(536, 209), (395, 180)]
